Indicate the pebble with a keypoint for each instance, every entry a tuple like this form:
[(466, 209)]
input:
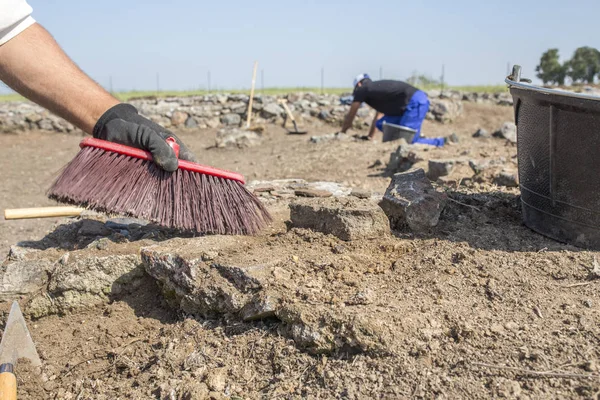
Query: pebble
[(216, 379), (209, 255), (264, 188), (482, 133), (338, 249), (511, 326), (361, 193), (312, 193)]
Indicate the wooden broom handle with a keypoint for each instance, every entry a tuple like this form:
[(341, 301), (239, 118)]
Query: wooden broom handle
[(287, 110), (251, 95), (42, 212), (8, 384)]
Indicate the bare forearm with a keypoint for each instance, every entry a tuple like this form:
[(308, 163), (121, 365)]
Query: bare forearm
[(347, 122), (34, 65), (350, 117), (374, 124)]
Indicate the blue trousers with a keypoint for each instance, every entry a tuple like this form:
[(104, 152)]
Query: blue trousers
[(413, 117)]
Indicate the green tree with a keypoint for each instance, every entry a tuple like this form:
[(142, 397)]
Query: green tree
[(585, 64), (418, 79), (550, 69)]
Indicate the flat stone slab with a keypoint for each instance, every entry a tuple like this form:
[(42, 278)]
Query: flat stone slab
[(246, 281), (348, 219), (312, 193)]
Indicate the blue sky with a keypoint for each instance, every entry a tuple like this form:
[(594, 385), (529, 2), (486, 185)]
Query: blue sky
[(131, 40)]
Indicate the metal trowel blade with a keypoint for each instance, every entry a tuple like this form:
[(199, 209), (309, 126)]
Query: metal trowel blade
[(16, 340)]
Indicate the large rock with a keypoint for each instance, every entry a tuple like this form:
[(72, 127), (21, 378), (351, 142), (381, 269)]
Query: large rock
[(411, 201), (347, 219), (238, 107), (23, 278), (506, 178), (258, 283), (234, 137), (93, 228), (83, 280), (504, 99), (481, 133), (206, 111), (403, 158), (213, 122), (324, 115), (272, 110), (191, 123), (178, 118), (445, 110), (507, 131), (231, 119), (439, 168)]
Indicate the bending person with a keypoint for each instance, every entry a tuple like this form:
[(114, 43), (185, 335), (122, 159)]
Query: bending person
[(395, 102)]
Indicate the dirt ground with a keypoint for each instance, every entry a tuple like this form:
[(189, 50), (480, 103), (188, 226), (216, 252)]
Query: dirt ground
[(482, 307)]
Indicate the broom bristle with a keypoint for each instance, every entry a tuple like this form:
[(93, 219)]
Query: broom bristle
[(109, 182)]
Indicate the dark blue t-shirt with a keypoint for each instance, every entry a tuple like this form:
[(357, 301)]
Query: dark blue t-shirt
[(387, 96)]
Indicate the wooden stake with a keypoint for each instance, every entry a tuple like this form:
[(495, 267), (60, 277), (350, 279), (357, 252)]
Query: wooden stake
[(251, 95), (42, 212)]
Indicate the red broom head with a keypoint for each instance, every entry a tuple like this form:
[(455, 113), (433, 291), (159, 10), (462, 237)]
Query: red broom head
[(114, 178)]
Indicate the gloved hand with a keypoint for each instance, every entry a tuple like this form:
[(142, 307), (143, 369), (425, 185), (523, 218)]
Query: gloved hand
[(122, 124), (363, 137)]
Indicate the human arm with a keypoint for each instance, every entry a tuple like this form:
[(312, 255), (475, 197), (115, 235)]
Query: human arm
[(378, 115), (34, 65), (350, 116)]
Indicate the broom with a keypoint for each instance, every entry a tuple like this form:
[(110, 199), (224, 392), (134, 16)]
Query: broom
[(113, 178)]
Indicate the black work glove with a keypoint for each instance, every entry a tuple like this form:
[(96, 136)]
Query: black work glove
[(122, 124), (363, 137)]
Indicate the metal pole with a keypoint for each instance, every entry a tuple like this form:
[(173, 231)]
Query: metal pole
[(208, 81), (322, 80), (443, 77)]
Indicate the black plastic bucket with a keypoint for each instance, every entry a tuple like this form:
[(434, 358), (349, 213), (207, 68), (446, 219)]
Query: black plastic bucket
[(558, 142), (395, 132)]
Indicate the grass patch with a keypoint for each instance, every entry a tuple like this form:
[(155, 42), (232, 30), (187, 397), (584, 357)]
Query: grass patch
[(125, 96), (471, 89), (11, 97)]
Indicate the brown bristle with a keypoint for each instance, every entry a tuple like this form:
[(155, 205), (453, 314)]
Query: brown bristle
[(109, 182)]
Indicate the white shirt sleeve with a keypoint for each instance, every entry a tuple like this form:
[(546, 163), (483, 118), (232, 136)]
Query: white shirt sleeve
[(15, 17)]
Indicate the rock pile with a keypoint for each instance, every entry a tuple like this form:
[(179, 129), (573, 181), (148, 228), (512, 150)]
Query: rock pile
[(229, 110)]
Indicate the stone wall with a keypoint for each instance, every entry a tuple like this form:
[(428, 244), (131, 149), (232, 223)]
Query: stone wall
[(218, 110)]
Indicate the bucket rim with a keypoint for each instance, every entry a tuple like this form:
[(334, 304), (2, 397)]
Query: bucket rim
[(404, 128), (555, 92)]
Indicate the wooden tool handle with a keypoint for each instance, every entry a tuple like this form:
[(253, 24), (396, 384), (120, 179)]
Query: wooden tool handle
[(42, 212), (8, 383), (249, 117), (288, 111)]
